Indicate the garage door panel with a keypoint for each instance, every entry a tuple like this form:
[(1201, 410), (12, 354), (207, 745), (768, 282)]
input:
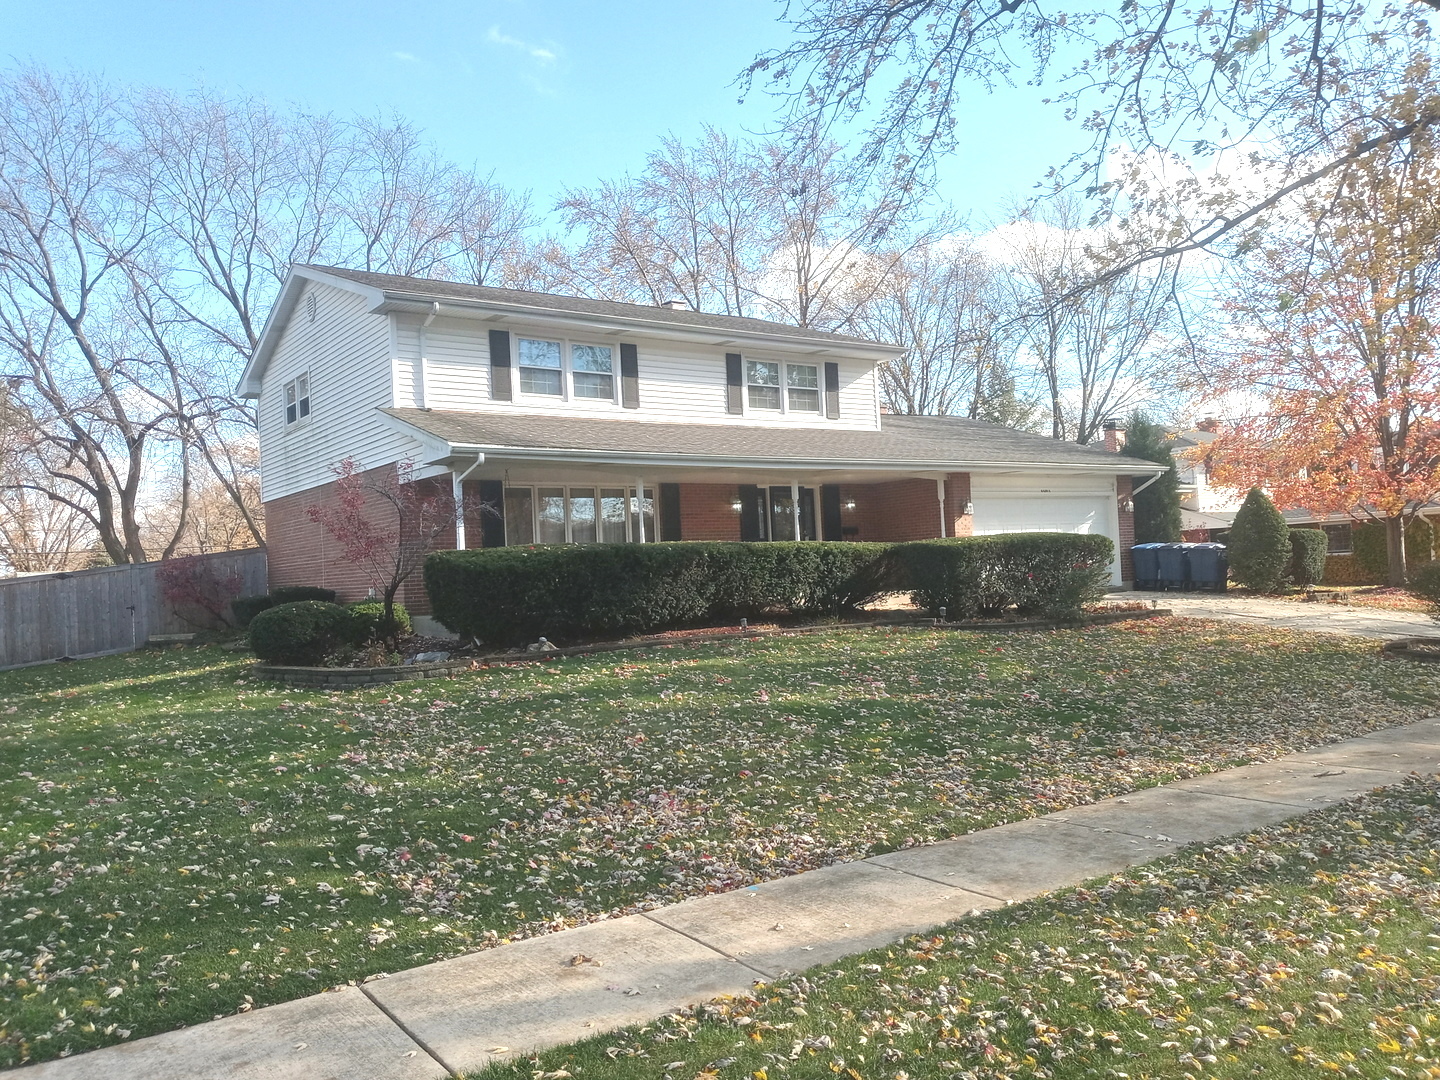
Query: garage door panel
[(1040, 513)]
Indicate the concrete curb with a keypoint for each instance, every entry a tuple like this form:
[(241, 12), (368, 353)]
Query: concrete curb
[(459, 1015)]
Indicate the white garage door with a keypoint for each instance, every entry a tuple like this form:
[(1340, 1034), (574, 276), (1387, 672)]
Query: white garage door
[(1011, 503), (1040, 513)]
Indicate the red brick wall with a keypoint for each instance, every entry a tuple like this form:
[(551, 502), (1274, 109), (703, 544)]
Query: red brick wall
[(957, 494), (898, 510), (1123, 487), (707, 513), (300, 552)]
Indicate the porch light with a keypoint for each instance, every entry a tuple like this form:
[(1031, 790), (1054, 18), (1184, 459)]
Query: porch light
[(849, 504), (968, 510), (735, 505), (1128, 506)]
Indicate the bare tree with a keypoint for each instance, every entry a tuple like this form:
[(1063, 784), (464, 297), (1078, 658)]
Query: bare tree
[(1098, 346), (1174, 85)]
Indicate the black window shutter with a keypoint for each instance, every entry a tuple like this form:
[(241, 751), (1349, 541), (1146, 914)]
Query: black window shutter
[(734, 383), (669, 510), (492, 505), (832, 392), (749, 512), (629, 377), (830, 511), (500, 366)]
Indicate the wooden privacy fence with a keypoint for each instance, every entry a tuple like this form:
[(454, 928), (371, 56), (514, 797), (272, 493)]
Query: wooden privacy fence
[(108, 610)]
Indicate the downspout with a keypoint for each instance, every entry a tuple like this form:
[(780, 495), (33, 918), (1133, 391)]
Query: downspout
[(424, 372), (457, 491)]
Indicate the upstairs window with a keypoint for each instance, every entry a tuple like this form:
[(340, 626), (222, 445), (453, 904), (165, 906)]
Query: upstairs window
[(776, 387), (593, 371), (802, 387), (297, 399), (540, 368), (762, 384)]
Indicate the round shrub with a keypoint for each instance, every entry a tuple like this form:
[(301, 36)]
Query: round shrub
[(289, 594), (368, 614), (1259, 544), (303, 633), (1308, 548)]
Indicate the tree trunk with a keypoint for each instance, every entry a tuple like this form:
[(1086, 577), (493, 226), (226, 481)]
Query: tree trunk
[(1395, 550)]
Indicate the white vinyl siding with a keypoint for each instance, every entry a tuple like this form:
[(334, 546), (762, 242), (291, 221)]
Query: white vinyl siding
[(679, 381), (344, 351)]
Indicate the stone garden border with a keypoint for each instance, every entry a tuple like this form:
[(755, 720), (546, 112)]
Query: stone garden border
[(354, 678), (1403, 648)]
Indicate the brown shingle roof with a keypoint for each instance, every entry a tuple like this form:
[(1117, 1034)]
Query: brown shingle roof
[(923, 441), (426, 289)]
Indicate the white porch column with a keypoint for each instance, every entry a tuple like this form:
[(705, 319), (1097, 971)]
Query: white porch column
[(795, 508), (639, 510), (940, 493)]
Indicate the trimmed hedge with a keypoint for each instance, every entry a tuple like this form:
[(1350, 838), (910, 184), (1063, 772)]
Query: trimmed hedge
[(302, 633), (245, 608), (289, 594), (1049, 574), (1308, 550), (508, 596), (1425, 583), (1372, 548), (367, 615)]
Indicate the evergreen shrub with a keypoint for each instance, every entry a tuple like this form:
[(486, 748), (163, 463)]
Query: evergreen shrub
[(1259, 545), (303, 633), (1308, 549), (368, 615), (289, 594), (513, 595), (1425, 583), (1049, 574), (245, 608), (1372, 549)]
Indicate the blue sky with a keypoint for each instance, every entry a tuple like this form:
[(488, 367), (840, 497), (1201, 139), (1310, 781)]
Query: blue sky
[(545, 94)]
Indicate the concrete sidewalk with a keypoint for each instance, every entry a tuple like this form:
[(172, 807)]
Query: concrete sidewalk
[(460, 1014), (1321, 617)]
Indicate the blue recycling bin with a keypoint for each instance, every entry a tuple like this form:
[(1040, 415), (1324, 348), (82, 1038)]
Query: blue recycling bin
[(1147, 565), (1174, 570), (1209, 567)]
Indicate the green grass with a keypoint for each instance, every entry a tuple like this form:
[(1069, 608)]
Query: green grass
[(179, 841), (1309, 948)]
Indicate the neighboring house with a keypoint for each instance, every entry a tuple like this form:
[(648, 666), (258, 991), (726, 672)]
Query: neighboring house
[(567, 420)]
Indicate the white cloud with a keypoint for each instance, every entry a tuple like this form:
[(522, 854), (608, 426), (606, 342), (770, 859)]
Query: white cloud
[(541, 53), (405, 57)]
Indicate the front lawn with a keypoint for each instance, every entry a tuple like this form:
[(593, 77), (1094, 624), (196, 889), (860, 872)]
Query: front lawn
[(179, 841), (1306, 949)]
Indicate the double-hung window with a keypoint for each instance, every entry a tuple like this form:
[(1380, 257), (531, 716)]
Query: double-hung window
[(297, 399), (566, 369), (774, 387), (541, 368), (578, 515)]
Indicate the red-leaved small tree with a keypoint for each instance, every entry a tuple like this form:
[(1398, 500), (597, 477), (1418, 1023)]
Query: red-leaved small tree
[(386, 524), (198, 590)]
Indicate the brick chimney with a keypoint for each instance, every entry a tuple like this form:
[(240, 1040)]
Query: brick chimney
[(1209, 424), (1114, 435)]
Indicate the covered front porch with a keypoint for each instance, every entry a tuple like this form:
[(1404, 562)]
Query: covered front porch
[(509, 504)]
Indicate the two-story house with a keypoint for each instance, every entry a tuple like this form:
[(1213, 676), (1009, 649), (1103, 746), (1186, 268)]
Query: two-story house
[(568, 420)]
